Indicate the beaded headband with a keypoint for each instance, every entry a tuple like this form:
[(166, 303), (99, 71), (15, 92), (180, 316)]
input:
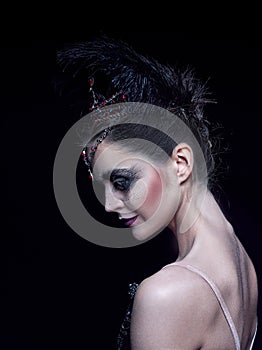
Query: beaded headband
[(99, 101)]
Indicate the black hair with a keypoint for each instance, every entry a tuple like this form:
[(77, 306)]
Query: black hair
[(137, 132), (142, 79)]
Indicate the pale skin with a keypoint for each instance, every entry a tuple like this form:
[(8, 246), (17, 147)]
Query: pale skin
[(175, 308)]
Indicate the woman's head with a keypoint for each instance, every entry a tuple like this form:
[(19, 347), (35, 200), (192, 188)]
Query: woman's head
[(164, 109), (149, 168)]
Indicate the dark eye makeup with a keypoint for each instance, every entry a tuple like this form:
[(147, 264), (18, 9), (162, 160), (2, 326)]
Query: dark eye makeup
[(122, 179)]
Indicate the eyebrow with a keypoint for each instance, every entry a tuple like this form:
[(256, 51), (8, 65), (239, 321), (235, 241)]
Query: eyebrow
[(118, 172)]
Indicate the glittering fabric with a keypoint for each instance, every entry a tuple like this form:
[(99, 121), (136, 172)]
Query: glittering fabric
[(123, 339)]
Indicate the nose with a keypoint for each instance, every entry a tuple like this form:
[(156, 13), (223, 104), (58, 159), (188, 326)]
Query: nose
[(112, 203)]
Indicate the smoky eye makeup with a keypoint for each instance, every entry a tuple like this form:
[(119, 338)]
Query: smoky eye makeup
[(123, 179)]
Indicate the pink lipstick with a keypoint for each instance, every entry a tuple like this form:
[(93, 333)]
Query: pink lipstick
[(129, 222)]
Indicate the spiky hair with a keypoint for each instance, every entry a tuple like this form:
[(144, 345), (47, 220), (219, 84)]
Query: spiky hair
[(140, 78)]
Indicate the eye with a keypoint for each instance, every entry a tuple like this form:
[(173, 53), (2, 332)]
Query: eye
[(122, 184)]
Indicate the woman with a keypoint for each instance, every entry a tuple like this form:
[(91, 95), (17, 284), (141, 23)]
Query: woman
[(207, 298)]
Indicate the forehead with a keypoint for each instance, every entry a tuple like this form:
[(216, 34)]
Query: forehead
[(110, 152), (112, 156)]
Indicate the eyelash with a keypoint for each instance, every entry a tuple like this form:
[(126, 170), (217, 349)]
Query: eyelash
[(124, 185)]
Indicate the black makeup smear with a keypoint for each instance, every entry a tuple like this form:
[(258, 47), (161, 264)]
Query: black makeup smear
[(122, 179)]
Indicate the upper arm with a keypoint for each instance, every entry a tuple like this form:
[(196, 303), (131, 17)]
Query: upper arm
[(166, 316)]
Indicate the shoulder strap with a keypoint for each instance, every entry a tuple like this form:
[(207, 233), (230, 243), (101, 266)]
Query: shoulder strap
[(253, 339), (218, 296)]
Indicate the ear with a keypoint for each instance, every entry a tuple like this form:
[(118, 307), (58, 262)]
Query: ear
[(183, 158)]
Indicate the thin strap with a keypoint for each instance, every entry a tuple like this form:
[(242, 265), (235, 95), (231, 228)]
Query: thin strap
[(219, 298), (254, 336)]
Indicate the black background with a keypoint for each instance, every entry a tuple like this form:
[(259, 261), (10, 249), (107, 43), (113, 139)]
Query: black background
[(58, 290)]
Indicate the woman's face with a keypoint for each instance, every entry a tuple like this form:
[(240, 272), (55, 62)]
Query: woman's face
[(145, 195)]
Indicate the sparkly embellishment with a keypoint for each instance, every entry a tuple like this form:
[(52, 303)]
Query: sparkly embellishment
[(97, 102), (101, 101), (88, 157), (123, 339), (132, 289)]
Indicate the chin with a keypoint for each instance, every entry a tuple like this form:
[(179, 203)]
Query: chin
[(171, 225), (146, 231)]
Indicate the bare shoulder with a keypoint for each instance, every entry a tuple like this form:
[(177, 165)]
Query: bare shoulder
[(174, 286), (168, 308), (166, 283)]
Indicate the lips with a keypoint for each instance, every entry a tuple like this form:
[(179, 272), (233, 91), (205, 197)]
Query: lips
[(129, 221)]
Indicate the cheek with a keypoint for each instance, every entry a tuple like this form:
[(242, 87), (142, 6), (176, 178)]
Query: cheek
[(137, 196), (155, 191), (146, 195)]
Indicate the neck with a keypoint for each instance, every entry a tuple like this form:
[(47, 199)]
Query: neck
[(193, 219)]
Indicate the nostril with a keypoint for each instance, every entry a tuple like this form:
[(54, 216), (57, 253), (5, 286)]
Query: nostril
[(108, 204), (113, 206), (107, 208)]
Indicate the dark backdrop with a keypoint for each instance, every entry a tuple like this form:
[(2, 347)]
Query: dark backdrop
[(58, 290)]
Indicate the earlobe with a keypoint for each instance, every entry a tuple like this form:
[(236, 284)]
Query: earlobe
[(183, 157)]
